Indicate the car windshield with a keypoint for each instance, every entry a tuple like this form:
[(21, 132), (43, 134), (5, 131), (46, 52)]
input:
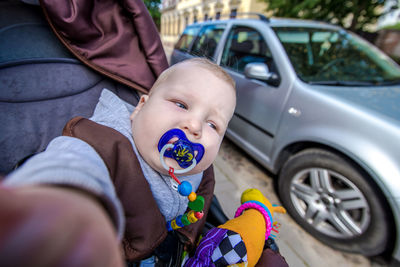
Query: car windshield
[(336, 57)]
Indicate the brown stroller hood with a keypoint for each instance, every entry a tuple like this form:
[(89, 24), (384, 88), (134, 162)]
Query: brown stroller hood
[(116, 38)]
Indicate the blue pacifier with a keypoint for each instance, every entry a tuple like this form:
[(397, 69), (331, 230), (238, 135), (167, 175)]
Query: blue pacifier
[(182, 150)]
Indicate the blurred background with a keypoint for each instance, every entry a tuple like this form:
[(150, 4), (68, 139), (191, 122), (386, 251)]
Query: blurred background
[(377, 21)]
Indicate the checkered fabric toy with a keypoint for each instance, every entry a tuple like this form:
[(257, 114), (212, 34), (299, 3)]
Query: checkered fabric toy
[(240, 241), (231, 250)]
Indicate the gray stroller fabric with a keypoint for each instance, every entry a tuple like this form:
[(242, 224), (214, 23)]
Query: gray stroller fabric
[(41, 85)]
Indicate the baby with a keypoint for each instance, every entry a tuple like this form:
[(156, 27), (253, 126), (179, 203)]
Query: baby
[(154, 161), (195, 96)]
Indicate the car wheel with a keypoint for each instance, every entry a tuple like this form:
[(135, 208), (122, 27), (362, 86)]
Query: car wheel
[(334, 200)]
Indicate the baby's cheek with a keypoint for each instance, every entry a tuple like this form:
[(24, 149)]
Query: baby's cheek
[(209, 156)]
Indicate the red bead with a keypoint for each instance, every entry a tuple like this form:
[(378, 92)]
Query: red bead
[(199, 214)]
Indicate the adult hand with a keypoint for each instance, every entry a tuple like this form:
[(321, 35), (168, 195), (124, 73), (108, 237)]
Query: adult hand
[(55, 226)]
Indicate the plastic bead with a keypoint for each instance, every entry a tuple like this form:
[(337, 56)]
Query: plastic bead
[(169, 227), (198, 204), (185, 188), (198, 214), (185, 220), (174, 225), (179, 221), (192, 196), (191, 217)]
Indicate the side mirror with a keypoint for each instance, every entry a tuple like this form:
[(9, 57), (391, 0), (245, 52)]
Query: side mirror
[(260, 71)]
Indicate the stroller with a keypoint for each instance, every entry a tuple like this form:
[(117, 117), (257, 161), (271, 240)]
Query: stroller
[(42, 77)]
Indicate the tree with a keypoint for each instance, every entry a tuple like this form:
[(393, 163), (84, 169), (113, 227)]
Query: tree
[(153, 6), (351, 14)]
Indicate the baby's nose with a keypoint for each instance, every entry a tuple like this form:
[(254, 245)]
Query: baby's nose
[(193, 127)]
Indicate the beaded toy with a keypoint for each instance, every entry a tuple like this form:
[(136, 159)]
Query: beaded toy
[(187, 155), (196, 205)]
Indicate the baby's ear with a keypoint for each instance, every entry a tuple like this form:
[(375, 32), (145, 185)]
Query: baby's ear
[(139, 106)]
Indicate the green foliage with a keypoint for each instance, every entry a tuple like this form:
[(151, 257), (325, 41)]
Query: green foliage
[(351, 14), (393, 27), (397, 59), (153, 6)]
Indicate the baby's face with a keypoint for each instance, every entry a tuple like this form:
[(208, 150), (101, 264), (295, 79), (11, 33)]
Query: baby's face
[(192, 99)]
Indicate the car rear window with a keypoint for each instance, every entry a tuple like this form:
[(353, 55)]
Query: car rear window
[(209, 37), (187, 37)]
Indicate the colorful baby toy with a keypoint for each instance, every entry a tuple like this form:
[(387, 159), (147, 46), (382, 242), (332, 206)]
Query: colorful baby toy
[(240, 241), (187, 155)]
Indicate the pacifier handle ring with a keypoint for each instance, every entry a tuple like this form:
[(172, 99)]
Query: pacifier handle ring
[(162, 152)]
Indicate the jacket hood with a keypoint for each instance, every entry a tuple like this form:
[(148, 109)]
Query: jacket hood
[(116, 38)]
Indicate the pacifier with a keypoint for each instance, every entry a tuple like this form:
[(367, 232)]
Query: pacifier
[(182, 150)]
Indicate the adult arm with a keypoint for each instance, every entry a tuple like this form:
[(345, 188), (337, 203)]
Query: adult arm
[(60, 209), (70, 162)]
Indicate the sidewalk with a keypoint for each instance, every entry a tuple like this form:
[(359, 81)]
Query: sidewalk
[(235, 173)]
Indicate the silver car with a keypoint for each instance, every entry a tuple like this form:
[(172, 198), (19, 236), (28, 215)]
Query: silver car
[(319, 107)]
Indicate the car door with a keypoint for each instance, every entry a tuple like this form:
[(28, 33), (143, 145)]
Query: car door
[(259, 104)]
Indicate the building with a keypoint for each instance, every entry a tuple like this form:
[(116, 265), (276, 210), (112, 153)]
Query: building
[(176, 14)]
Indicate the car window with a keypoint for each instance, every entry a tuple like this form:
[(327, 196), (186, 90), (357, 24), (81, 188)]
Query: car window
[(207, 42), (327, 56), (187, 37), (245, 45)]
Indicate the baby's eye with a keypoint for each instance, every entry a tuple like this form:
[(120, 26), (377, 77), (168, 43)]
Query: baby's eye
[(181, 105), (212, 125)]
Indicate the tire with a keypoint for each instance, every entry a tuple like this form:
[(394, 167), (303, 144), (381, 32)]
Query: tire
[(334, 200)]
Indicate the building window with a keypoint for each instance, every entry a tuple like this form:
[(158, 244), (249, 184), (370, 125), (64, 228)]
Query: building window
[(194, 18), (205, 17), (175, 30), (218, 15), (233, 13), (179, 25)]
